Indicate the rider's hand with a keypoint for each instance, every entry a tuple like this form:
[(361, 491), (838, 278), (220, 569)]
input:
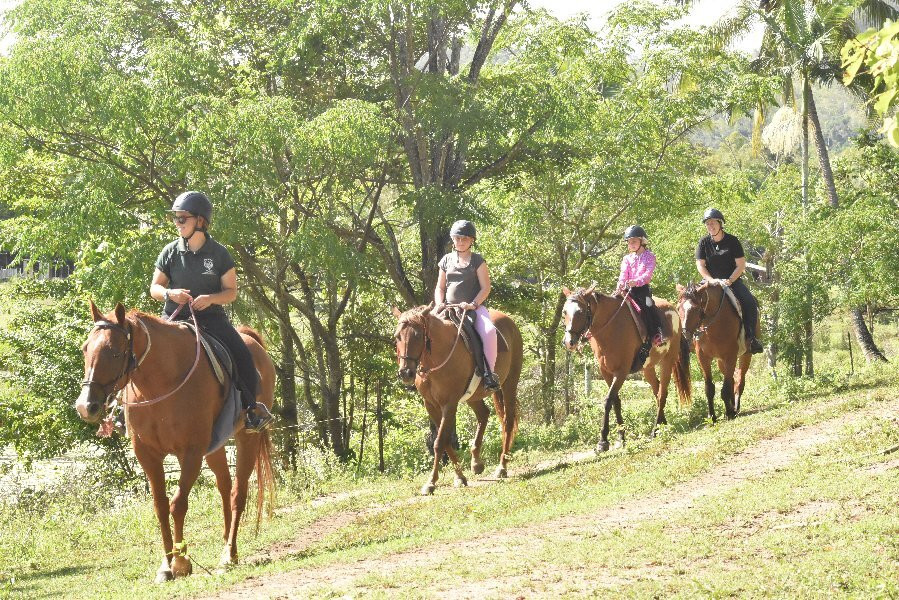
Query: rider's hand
[(632, 283), (468, 305), (180, 296), (724, 282), (201, 302)]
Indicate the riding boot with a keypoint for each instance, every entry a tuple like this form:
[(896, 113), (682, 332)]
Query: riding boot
[(491, 381), (258, 418), (755, 346)]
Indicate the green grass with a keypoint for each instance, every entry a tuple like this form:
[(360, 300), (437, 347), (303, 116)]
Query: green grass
[(74, 545)]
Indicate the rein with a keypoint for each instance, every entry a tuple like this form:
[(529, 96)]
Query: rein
[(193, 368)]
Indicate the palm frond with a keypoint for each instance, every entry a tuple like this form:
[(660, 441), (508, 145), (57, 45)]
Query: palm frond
[(873, 13)]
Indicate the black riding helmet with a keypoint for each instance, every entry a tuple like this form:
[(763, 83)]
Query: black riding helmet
[(634, 231), (195, 203), (713, 213), (463, 227)]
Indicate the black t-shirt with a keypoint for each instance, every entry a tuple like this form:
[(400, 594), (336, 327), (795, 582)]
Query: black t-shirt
[(199, 272), (462, 284), (720, 257)]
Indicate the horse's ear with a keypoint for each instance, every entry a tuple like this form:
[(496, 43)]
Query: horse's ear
[(431, 305), (95, 314), (120, 313), (566, 291), (680, 288), (396, 312), (591, 288)]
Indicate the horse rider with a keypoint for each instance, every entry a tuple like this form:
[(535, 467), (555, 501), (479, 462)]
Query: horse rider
[(197, 270), (637, 267), (720, 259), (465, 280)]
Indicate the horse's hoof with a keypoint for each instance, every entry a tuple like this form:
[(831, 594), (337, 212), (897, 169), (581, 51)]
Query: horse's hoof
[(602, 446), (460, 482), (477, 467), (227, 561), (181, 567), (428, 489), (501, 472), (736, 405), (619, 444), (163, 575)]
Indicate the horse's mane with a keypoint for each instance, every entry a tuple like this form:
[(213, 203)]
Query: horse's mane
[(692, 291), (416, 316)]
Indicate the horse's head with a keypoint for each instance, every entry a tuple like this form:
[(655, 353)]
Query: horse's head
[(692, 302), (411, 338), (578, 315), (108, 359)]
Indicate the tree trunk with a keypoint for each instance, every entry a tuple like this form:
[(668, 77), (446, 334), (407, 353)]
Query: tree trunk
[(548, 376), (380, 417), (808, 326), (823, 154), (864, 337), (288, 410)]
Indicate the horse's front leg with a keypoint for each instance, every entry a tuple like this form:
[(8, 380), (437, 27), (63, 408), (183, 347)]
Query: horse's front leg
[(440, 443), (727, 366), (482, 412), (191, 462), (151, 463), (611, 401), (705, 363)]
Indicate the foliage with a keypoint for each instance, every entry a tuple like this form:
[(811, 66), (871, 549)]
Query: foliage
[(876, 52)]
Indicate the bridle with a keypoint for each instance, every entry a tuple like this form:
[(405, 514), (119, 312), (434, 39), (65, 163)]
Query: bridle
[(129, 364), (701, 329), (426, 347), (577, 297)]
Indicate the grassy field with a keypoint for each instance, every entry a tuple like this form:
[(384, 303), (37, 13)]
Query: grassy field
[(823, 524), (796, 497)]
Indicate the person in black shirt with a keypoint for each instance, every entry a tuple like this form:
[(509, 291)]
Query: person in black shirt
[(720, 259), (198, 270)]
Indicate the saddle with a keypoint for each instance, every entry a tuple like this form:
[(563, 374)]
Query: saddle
[(741, 336), (222, 363), (471, 339), (646, 345)]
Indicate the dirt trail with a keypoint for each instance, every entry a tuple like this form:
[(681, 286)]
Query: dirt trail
[(767, 456)]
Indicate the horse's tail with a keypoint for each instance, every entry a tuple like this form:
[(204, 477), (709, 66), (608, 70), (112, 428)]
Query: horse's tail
[(253, 334), (682, 374), (265, 476)]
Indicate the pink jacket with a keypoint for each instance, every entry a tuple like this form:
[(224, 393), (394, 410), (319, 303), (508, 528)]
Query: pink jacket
[(638, 267)]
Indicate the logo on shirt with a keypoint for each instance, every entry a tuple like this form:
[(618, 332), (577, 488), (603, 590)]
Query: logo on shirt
[(208, 264)]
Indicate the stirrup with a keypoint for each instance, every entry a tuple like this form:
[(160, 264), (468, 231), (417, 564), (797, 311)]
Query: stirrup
[(258, 418), (755, 346)]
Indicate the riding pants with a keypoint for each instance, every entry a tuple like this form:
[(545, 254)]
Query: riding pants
[(749, 304), (487, 330), (219, 325), (642, 295)]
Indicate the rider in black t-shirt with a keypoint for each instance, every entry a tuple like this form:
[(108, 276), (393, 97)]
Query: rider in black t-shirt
[(720, 258), (196, 269)]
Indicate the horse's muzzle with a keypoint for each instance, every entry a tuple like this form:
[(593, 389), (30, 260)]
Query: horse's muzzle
[(566, 341), (88, 407), (407, 376)]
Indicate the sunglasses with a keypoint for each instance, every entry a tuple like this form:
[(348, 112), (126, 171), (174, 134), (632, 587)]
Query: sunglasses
[(182, 220)]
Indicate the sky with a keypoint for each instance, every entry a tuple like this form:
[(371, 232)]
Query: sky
[(704, 12)]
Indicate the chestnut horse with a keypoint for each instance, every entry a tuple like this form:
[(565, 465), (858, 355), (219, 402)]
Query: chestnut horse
[(714, 325), (431, 356), (615, 340), (153, 358)]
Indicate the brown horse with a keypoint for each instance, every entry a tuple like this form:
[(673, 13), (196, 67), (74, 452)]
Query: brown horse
[(154, 357), (431, 356), (615, 340), (714, 325)]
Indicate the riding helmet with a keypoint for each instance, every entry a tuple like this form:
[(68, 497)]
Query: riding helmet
[(194, 202), (634, 231), (713, 213), (463, 227)]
